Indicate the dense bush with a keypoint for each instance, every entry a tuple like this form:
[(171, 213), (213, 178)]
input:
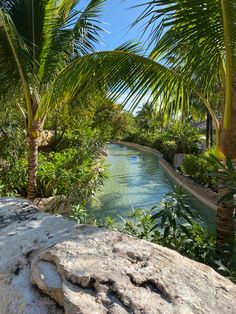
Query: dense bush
[(174, 139), (13, 162), (74, 172), (113, 122), (143, 137), (201, 168)]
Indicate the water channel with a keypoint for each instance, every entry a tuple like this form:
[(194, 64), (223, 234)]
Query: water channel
[(136, 180)]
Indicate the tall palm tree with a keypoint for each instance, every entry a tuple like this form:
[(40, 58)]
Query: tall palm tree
[(197, 40), (38, 40)]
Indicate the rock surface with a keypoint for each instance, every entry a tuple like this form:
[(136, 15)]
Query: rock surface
[(48, 264)]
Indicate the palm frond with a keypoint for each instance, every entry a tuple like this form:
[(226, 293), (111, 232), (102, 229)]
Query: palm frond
[(130, 46), (88, 27), (132, 74), (14, 58), (193, 35), (57, 43)]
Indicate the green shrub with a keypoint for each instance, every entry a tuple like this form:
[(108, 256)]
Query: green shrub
[(200, 169), (175, 139), (13, 162), (69, 172), (72, 172), (169, 149)]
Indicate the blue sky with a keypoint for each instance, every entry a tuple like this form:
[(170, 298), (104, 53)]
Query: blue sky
[(118, 16)]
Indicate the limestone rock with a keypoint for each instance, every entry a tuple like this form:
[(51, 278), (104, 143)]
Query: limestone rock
[(48, 264), (106, 272)]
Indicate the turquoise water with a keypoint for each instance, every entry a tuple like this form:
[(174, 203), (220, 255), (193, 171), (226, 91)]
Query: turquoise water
[(136, 180)]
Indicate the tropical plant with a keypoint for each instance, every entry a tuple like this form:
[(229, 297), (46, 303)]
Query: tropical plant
[(39, 39), (196, 41), (138, 223), (171, 223), (180, 138), (172, 212), (193, 40), (200, 168)]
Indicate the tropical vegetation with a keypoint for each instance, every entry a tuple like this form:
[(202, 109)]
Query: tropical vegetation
[(196, 44), (51, 76), (39, 40), (171, 223)]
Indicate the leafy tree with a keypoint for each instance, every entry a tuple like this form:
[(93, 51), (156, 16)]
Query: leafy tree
[(39, 39), (112, 120)]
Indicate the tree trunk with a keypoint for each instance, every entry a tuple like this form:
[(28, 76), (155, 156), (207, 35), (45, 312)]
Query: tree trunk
[(211, 136), (32, 165), (225, 224), (33, 133), (207, 130)]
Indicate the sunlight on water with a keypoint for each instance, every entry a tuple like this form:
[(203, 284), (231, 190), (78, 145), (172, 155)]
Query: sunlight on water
[(135, 179)]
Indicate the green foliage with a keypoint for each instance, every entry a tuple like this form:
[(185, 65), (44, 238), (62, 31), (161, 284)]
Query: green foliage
[(181, 138), (200, 244), (65, 172), (168, 148), (149, 118), (112, 121), (82, 216), (171, 224), (226, 173), (13, 179), (201, 168), (13, 150), (171, 211), (143, 137), (74, 170), (138, 223)]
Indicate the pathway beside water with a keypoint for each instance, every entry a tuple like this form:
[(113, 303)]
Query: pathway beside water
[(136, 180)]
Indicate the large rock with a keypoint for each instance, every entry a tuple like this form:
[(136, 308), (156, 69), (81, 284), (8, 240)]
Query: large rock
[(48, 264)]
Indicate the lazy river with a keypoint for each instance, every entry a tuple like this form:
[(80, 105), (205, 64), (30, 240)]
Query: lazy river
[(136, 180)]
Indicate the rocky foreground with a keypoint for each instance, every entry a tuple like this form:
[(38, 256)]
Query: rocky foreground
[(48, 264)]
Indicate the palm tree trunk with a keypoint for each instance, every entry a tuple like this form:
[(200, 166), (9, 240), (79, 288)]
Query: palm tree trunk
[(33, 133), (225, 224), (211, 136), (207, 130), (32, 165)]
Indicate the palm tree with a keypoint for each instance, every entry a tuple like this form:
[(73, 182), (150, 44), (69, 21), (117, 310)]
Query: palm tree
[(197, 40), (38, 40)]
